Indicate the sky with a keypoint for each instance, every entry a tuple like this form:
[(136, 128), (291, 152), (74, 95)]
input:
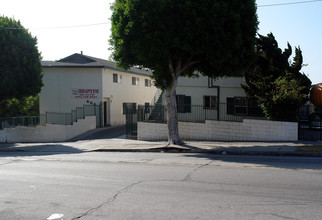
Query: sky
[(65, 27)]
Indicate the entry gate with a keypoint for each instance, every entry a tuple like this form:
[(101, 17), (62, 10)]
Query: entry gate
[(310, 124), (131, 125), (133, 114)]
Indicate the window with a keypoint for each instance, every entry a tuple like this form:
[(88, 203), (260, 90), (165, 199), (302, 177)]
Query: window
[(183, 103), (237, 106), (242, 106), (135, 81), (117, 78), (210, 102), (147, 82)]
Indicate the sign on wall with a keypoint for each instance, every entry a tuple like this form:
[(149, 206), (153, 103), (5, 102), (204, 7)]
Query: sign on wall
[(86, 93)]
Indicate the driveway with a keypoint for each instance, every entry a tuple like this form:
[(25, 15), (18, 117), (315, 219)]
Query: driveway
[(103, 133)]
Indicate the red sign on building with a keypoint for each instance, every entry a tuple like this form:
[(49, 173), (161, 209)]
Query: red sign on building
[(85, 93)]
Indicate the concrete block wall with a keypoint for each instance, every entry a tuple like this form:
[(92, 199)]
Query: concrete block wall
[(248, 130), (47, 133)]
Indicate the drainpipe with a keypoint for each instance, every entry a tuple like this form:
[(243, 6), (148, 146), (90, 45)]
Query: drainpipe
[(210, 85), (218, 102)]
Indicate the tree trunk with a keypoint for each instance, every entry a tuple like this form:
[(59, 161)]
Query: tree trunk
[(172, 116)]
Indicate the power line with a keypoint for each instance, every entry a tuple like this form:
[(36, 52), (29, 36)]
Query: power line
[(74, 26), (62, 27), (104, 23), (288, 3)]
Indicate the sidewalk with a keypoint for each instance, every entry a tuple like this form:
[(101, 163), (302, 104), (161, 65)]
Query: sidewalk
[(121, 144), (210, 147)]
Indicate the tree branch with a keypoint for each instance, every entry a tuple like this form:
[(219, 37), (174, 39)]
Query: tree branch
[(172, 70), (188, 64), (177, 71), (178, 68)]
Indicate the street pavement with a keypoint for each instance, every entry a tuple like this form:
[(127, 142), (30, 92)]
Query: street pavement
[(112, 139), (139, 185), (102, 175)]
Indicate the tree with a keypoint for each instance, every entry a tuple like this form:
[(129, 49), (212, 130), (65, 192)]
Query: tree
[(27, 106), (20, 62), (177, 38), (275, 82)]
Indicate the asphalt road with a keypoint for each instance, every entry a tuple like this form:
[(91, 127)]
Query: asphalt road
[(100, 185)]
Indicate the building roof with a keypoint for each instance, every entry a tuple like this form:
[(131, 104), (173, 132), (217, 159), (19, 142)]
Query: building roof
[(82, 61)]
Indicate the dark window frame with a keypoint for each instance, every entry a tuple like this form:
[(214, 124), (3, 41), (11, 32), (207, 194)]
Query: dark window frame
[(115, 78), (135, 81), (147, 82), (210, 102), (183, 104), (241, 106)]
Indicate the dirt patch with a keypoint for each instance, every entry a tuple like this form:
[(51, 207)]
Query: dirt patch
[(314, 148)]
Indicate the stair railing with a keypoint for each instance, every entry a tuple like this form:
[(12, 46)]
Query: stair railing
[(156, 97)]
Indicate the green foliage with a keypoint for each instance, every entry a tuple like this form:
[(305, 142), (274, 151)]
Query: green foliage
[(178, 37), (27, 106), (276, 83), (20, 61)]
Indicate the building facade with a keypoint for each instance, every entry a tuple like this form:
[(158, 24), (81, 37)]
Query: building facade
[(79, 80), (203, 98)]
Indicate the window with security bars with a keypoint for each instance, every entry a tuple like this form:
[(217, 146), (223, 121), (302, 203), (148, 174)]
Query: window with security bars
[(242, 106)]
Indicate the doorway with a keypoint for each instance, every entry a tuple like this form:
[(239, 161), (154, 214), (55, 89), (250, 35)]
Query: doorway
[(107, 112)]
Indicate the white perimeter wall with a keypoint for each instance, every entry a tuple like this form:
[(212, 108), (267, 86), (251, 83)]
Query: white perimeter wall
[(248, 130), (48, 133)]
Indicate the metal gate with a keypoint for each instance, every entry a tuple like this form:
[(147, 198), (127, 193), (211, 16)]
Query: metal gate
[(133, 114), (310, 123), (131, 126), (131, 119)]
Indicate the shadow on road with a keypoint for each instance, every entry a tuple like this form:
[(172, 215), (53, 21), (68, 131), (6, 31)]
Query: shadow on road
[(13, 150), (265, 161)]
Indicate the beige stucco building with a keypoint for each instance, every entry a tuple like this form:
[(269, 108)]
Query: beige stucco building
[(201, 87), (80, 80), (215, 99)]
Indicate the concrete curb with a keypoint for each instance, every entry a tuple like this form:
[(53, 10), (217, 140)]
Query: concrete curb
[(184, 150), (197, 147), (211, 151)]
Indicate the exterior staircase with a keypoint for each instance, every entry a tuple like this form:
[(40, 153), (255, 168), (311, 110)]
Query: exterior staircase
[(158, 110)]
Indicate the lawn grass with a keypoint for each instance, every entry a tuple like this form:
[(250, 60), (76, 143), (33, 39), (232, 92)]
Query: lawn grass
[(313, 148)]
